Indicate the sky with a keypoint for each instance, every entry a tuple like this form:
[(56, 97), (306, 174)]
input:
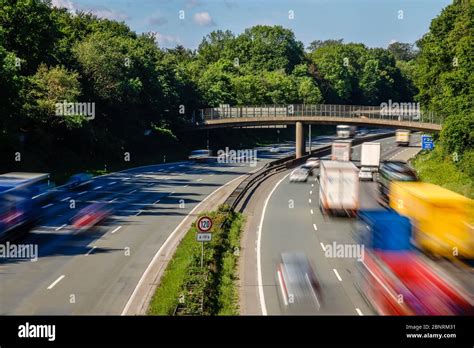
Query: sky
[(376, 23)]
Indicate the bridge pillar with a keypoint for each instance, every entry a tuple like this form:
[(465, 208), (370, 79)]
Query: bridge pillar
[(300, 141)]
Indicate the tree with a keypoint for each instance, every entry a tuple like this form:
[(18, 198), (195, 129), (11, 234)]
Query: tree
[(270, 48), (47, 88), (402, 51), (29, 31), (314, 45), (444, 66)]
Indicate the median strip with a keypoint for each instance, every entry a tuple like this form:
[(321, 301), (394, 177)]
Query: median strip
[(188, 289)]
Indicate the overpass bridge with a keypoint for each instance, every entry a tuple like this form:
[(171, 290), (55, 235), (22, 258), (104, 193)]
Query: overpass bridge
[(402, 116)]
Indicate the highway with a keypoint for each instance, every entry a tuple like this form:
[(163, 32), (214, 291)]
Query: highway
[(96, 271), (289, 219)]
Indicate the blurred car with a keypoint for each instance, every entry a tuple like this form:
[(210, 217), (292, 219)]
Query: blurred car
[(298, 285), (363, 132), (394, 171), (311, 164), (275, 149), (90, 216), (200, 155), (299, 175), (78, 180), (365, 174)]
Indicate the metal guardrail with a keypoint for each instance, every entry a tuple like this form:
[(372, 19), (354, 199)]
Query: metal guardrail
[(404, 112), (236, 197)]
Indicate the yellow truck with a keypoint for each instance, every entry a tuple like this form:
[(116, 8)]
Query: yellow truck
[(402, 137), (442, 220)]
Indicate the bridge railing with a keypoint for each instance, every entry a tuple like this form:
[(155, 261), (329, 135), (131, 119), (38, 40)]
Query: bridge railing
[(403, 113)]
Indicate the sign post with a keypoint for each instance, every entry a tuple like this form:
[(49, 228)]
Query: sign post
[(204, 225), (427, 142)]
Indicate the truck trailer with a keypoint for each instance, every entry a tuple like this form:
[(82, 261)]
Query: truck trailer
[(338, 187)]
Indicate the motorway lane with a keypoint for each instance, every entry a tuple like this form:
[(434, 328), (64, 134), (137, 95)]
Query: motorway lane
[(304, 228), (95, 271)]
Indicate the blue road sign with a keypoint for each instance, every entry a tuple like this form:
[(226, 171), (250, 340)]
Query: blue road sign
[(427, 142)]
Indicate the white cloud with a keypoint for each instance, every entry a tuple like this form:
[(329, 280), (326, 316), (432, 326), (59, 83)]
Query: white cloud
[(67, 4), (101, 11), (166, 40), (106, 13), (203, 19), (157, 20), (392, 41)]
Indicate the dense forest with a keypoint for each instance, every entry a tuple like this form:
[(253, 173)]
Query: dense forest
[(143, 94)]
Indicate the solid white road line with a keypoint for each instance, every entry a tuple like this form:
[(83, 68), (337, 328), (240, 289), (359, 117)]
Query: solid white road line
[(116, 229), (337, 274), (315, 227), (57, 229), (55, 282), (91, 250), (359, 311), (283, 294), (165, 244), (259, 247)]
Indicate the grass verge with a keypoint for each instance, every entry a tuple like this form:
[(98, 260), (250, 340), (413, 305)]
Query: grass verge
[(186, 288), (440, 170)]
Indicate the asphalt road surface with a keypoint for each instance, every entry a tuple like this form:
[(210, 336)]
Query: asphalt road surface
[(95, 271), (292, 221)]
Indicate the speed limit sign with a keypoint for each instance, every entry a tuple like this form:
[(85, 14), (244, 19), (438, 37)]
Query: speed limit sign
[(204, 224)]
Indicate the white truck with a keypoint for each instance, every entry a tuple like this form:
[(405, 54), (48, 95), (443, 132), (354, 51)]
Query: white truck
[(338, 188), (369, 160), (341, 150), (402, 137)]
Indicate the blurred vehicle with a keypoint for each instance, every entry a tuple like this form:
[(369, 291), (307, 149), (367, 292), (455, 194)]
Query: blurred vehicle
[(79, 180), (274, 149), (312, 162), (339, 187), (394, 278), (299, 288), (369, 160), (345, 132), (299, 175), (366, 174), (90, 216), (20, 205), (393, 171), (200, 155), (341, 150), (402, 137), (442, 219), (363, 132)]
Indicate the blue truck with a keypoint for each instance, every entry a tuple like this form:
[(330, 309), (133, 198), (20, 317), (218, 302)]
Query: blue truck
[(21, 198)]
